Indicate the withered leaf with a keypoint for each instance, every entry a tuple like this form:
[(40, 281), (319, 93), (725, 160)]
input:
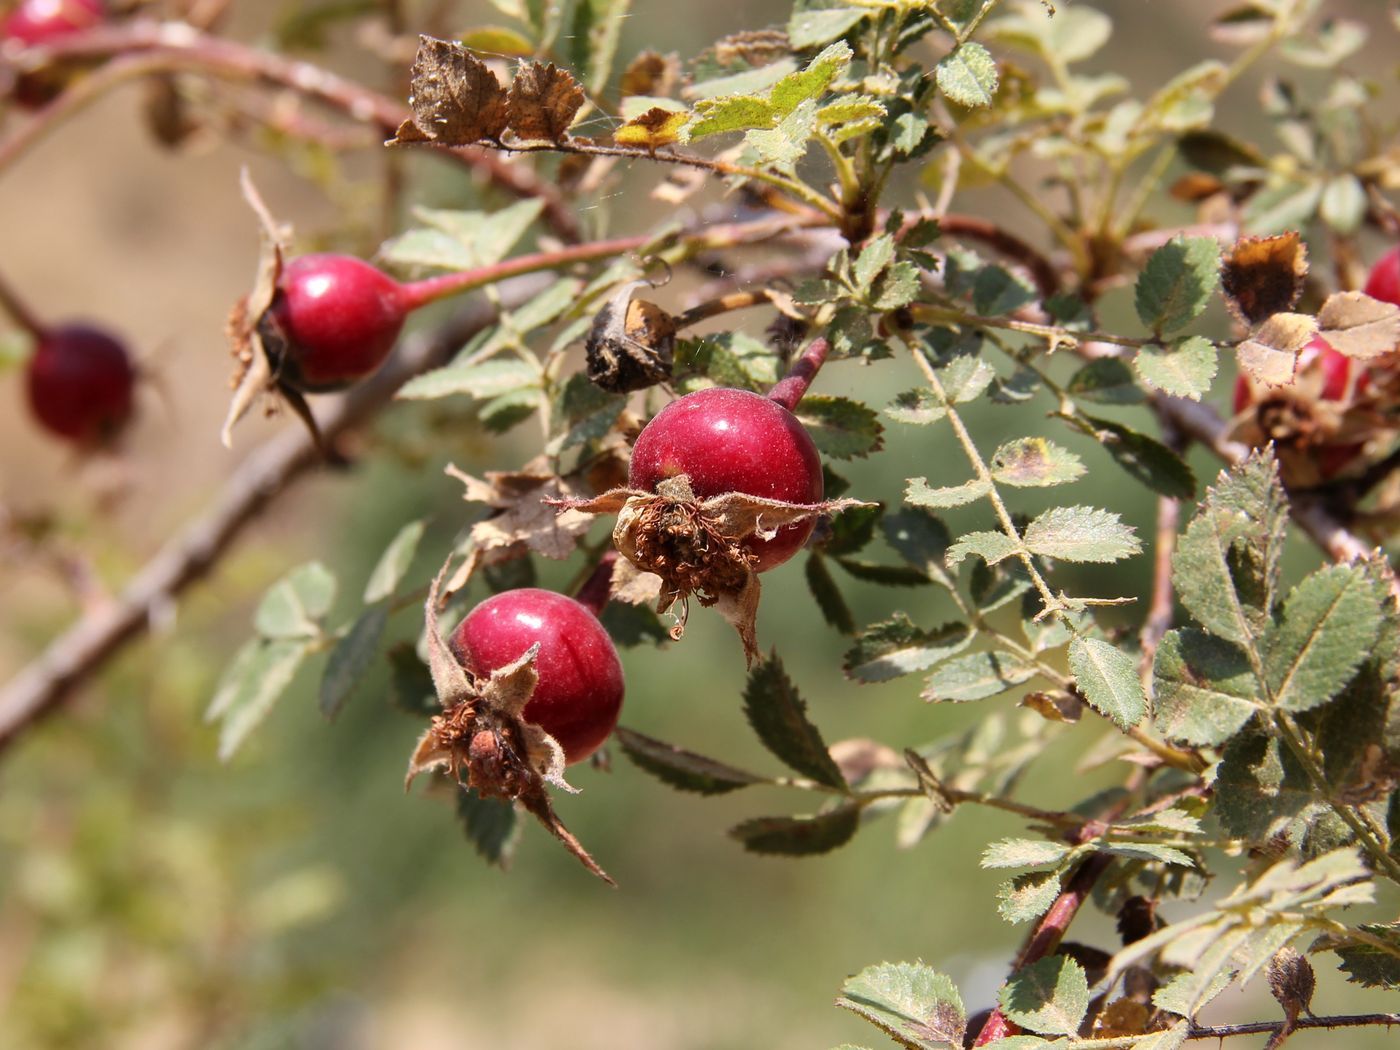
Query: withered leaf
[(655, 128), (524, 518), (1356, 325), (544, 100), (650, 73), (455, 99), (1270, 355), (1262, 276), (631, 343)]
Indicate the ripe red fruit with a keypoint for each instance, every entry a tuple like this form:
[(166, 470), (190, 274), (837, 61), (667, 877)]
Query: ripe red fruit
[(734, 441), (1384, 281), (81, 381), (39, 21), (340, 316), (579, 693)]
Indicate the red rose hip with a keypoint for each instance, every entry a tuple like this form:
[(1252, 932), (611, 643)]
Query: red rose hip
[(39, 21), (340, 316), (81, 383), (729, 440), (579, 693), (1384, 281)]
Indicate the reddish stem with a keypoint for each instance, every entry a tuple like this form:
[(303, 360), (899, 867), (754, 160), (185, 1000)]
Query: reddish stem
[(596, 591), (789, 390), (19, 311), (431, 289)]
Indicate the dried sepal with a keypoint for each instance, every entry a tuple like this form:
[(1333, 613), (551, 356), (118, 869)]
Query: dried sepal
[(456, 100), (544, 100), (631, 344), (482, 738), (696, 547)]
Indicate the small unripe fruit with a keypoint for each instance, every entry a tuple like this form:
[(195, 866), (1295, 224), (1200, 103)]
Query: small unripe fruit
[(728, 440), (340, 317), (579, 693), (81, 383), (1384, 281)]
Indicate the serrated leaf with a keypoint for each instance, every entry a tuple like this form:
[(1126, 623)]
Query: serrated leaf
[(1186, 370), (1286, 206), (1186, 993), (1106, 380), (966, 378), (779, 717), (912, 1003), (1108, 678), (977, 676), (253, 685), (1035, 462), (917, 407), (920, 539), (410, 682), (996, 290), (485, 379), (896, 647), (715, 116), (799, 836), (393, 563), (1204, 688), (840, 428), (1149, 851), (814, 27), (544, 100), (1145, 458), (797, 89), (1369, 965), (991, 547), (1027, 896), (1270, 355), (829, 598), (1050, 996), (883, 575), (682, 769), (1023, 853), (294, 606), (968, 75), (1330, 621), (1354, 324), (1259, 787), (919, 493), (492, 825), (351, 658), (785, 144), (1177, 283), (1081, 534)]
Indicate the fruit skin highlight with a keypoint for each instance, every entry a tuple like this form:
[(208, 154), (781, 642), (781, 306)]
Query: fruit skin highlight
[(81, 383), (34, 23), (579, 693), (729, 440), (339, 318)]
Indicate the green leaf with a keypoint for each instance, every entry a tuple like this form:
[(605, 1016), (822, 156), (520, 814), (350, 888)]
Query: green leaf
[(294, 606), (896, 647), (351, 658), (920, 539), (1035, 462), (966, 378), (1286, 206), (840, 427), (1023, 853), (597, 25), (410, 682), (797, 89), (829, 598), (784, 145), (991, 547), (1330, 621), (920, 494), (258, 676), (910, 1002), (779, 717), (1369, 965), (487, 236), (715, 116), (977, 676), (1050, 996), (968, 75), (1148, 851), (1145, 458), (852, 530), (1205, 689), (1108, 678), (393, 563), (1106, 380), (813, 28), (1027, 896), (872, 261), (632, 625), (682, 769), (1082, 534), (996, 291), (1259, 787), (916, 407), (1226, 566), (883, 575), (492, 825), (799, 836), (1186, 993), (1186, 370), (1178, 281), (486, 379)]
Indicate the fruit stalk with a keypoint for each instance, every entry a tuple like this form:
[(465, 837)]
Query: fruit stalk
[(596, 591), (20, 313), (790, 390)]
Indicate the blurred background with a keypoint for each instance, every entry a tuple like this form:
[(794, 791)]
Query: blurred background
[(151, 897)]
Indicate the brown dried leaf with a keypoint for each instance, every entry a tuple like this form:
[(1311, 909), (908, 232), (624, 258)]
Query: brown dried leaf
[(1055, 706), (1263, 276), (857, 758), (456, 100), (525, 501), (655, 128), (543, 102), (1270, 355), (631, 344), (651, 73), (1356, 325)]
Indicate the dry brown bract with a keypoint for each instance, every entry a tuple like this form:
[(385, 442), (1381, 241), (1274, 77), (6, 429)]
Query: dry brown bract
[(696, 546), (482, 739)]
